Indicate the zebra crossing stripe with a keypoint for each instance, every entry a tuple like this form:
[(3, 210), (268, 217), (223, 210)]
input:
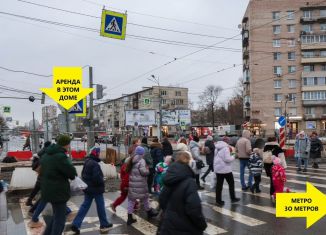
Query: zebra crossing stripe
[(147, 228), (235, 215), (319, 169), (307, 176), (305, 173), (267, 209), (30, 231)]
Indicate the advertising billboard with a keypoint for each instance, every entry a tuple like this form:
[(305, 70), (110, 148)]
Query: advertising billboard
[(140, 117), (176, 117)]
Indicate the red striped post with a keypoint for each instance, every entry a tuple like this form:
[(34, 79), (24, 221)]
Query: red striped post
[(282, 137)]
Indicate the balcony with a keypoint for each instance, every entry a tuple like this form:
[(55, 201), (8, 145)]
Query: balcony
[(313, 88), (310, 117), (313, 103), (245, 54), (307, 20), (314, 74), (312, 60), (313, 42)]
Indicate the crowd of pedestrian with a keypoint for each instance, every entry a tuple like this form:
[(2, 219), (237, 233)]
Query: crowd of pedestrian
[(174, 176)]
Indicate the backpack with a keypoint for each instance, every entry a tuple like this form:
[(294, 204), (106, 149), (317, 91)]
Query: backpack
[(268, 157)]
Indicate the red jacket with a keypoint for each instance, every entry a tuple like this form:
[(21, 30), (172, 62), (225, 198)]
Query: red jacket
[(124, 177)]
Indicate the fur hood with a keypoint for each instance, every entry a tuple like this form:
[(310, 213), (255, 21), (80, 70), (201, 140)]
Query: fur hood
[(156, 145)]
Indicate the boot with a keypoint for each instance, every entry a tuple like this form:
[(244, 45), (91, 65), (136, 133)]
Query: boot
[(131, 220), (151, 213)]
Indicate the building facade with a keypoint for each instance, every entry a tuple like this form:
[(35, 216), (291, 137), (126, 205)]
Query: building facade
[(284, 65), (112, 114)]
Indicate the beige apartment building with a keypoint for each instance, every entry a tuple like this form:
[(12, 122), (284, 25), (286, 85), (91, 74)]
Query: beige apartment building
[(112, 114), (284, 65)]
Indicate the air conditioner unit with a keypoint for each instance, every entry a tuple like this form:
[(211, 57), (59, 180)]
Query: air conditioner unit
[(279, 75)]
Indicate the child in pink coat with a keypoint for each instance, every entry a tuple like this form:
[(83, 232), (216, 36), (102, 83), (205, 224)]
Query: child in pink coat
[(278, 176)]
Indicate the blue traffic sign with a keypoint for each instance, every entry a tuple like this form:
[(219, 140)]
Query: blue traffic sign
[(282, 121), (113, 24), (77, 108)]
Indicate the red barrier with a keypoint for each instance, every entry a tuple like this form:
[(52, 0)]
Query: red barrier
[(21, 155), (78, 155), (289, 153)]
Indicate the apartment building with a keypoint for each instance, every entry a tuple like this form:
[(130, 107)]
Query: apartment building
[(284, 65), (112, 114)]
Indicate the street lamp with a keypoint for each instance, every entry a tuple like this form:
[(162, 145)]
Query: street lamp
[(156, 80)]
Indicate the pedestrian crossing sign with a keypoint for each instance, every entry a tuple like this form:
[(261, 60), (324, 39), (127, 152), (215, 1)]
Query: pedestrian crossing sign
[(79, 109), (113, 24)]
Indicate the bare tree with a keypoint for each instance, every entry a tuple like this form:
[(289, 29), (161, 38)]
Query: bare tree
[(209, 99)]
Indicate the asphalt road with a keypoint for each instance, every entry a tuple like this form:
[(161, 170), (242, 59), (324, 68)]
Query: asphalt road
[(254, 214)]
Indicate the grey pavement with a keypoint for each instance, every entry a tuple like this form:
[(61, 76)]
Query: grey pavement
[(254, 214)]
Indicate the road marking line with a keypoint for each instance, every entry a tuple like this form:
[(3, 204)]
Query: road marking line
[(148, 229), (84, 230), (267, 209), (30, 231), (319, 169), (305, 173), (235, 215)]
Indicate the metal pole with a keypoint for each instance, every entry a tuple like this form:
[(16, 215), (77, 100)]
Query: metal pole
[(47, 123), (213, 124), (90, 134), (160, 109), (34, 145)]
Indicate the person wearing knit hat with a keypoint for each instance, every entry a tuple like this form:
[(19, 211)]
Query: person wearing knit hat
[(278, 176), (57, 170), (138, 189), (92, 175), (209, 149)]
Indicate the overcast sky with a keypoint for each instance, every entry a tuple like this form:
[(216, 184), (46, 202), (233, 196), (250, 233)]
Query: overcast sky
[(122, 66)]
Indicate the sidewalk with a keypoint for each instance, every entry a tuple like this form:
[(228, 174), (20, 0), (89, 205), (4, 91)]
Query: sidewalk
[(3, 213)]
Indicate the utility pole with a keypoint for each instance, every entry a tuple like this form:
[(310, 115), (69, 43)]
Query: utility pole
[(90, 134), (47, 123), (34, 137), (159, 126), (213, 121)]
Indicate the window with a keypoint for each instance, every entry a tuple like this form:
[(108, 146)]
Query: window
[(277, 112), (291, 55), (278, 84), (163, 101), (177, 93), (178, 101), (277, 97), (292, 69), (324, 110), (314, 95), (308, 68), (323, 27), (277, 55), (291, 28), (308, 54), (307, 14), (323, 13), (323, 67), (163, 92), (277, 70), (307, 28), (290, 15), (276, 29), (292, 111), (309, 110), (322, 53), (310, 81), (276, 15), (291, 42), (291, 96), (292, 83), (321, 81), (276, 43)]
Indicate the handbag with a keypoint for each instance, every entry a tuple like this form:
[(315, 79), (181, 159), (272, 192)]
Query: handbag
[(268, 157), (199, 164), (77, 184)]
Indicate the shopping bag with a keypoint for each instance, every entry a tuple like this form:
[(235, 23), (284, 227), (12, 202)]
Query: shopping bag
[(77, 184), (212, 181)]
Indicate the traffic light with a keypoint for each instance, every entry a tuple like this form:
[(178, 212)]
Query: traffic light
[(43, 98), (31, 98), (99, 91)]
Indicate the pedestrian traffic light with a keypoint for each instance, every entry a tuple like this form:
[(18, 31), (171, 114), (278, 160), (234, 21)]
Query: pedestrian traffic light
[(31, 98), (99, 91)]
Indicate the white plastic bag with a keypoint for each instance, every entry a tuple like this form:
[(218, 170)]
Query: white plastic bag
[(77, 184), (212, 181), (109, 171)]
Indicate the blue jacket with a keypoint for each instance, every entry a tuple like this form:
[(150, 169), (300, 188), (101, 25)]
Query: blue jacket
[(92, 175)]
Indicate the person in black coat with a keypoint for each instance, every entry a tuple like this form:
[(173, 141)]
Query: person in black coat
[(167, 147), (157, 157), (210, 147), (92, 175), (316, 147), (273, 146), (179, 200)]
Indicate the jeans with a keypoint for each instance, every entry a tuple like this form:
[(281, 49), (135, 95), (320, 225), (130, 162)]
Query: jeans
[(40, 205), (243, 165), (100, 207), (209, 169), (219, 185), (305, 160), (58, 220)]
